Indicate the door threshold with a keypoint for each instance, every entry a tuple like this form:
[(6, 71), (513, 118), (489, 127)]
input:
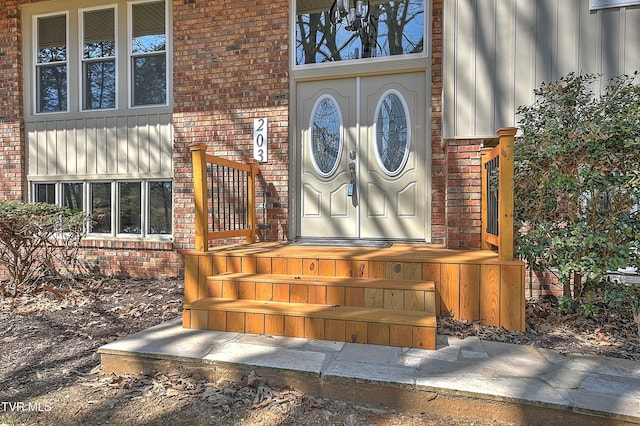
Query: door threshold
[(342, 242)]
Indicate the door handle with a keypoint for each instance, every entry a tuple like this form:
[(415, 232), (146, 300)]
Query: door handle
[(352, 184)]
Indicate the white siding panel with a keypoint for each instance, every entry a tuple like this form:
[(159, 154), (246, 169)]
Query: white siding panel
[(589, 36), (632, 32), (496, 52), (102, 150), (610, 41), (148, 155), (51, 152), (116, 142), (128, 136), (82, 165), (486, 56), (105, 146), (465, 65), (567, 40), (503, 77), (524, 74), (71, 147)]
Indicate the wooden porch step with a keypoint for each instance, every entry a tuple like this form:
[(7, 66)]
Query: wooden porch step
[(413, 295), (391, 327)]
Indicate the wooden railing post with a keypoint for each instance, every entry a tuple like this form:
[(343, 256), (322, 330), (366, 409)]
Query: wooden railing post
[(483, 199), (506, 136), (200, 199), (251, 202)]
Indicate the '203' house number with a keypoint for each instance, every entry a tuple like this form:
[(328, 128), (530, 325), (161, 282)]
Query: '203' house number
[(260, 146)]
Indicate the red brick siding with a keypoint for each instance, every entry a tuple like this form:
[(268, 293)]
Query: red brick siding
[(463, 194), (438, 152), (231, 66), (11, 122), (541, 283), (131, 258), (12, 181)]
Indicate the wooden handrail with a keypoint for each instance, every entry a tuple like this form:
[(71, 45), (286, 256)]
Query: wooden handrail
[(503, 238), (200, 159)]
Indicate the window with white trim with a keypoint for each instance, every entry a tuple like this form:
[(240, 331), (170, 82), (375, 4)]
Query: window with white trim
[(127, 208), (346, 30), (52, 66), (90, 81), (98, 58), (148, 63)]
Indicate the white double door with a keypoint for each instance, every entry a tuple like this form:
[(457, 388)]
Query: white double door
[(362, 163)]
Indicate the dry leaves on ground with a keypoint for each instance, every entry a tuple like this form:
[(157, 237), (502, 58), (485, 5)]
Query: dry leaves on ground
[(49, 360), (607, 333)]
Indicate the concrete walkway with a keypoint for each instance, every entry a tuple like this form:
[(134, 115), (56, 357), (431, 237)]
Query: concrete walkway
[(593, 385)]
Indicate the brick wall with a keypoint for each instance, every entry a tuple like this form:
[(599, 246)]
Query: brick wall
[(231, 66), (544, 283), (438, 148), (12, 182), (156, 259), (463, 194)]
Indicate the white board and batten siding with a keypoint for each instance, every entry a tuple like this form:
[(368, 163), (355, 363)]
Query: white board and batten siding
[(496, 52), (133, 146)]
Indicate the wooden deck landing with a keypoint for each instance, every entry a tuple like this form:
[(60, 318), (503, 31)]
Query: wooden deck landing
[(469, 285)]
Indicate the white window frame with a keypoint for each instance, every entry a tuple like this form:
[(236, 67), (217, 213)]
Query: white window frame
[(131, 56), (60, 191), (347, 67), (145, 207), (118, 212), (74, 63), (34, 192), (81, 92), (36, 65), (89, 210), (146, 194)]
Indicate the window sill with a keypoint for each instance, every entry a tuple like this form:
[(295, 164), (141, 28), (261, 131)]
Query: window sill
[(127, 243)]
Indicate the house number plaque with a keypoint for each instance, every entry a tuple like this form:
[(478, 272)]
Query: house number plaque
[(260, 151)]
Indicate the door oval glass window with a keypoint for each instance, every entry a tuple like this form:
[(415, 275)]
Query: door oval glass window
[(326, 135), (393, 134)]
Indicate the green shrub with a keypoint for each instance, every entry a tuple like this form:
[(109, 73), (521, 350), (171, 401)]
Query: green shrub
[(565, 305), (577, 178), (588, 310), (37, 240)]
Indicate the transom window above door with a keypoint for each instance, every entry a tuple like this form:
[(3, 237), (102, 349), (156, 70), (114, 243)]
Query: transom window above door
[(341, 30)]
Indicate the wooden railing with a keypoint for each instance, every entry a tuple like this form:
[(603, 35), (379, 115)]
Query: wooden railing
[(497, 195), (224, 197)]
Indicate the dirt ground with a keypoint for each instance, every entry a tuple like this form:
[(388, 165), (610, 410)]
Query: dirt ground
[(50, 370)]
